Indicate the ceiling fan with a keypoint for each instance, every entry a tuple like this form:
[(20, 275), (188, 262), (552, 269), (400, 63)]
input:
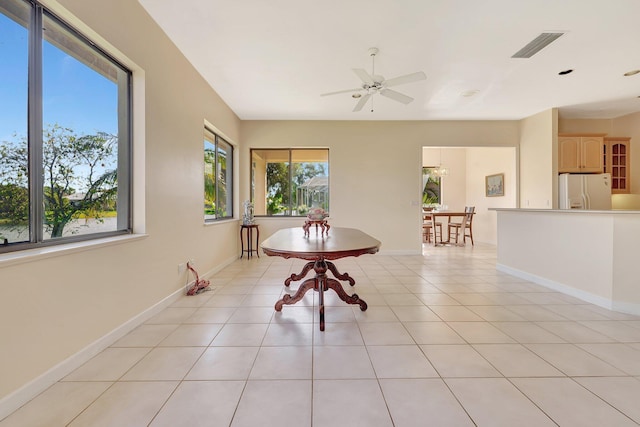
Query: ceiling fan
[(373, 83)]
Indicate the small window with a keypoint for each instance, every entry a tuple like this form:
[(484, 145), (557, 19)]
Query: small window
[(218, 177), (287, 182), (430, 187)]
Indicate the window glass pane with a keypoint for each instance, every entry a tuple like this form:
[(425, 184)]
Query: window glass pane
[(271, 191), (209, 176), (81, 113), (218, 177), (288, 182), (14, 179), (310, 180), (430, 187), (224, 177)]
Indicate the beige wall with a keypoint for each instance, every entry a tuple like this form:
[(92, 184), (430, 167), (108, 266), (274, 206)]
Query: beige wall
[(480, 163), (51, 307), (375, 168), (538, 161)]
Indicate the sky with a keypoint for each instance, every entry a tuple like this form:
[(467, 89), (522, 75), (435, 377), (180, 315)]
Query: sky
[(74, 95)]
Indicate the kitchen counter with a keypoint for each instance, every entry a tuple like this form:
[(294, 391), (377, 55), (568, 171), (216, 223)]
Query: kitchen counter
[(591, 255), (568, 211)]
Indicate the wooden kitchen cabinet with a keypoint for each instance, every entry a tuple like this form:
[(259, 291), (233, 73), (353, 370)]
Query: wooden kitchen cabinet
[(580, 154), (617, 162)]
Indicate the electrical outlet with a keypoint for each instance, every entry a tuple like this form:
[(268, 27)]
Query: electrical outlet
[(182, 267)]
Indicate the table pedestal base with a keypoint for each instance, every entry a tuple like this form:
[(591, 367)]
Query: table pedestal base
[(320, 284), (331, 266)]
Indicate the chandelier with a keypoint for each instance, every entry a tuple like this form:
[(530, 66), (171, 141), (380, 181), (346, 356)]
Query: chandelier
[(440, 170)]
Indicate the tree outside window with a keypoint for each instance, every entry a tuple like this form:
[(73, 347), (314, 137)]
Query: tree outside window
[(431, 186)]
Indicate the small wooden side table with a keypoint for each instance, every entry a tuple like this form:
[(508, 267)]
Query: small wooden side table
[(248, 231)]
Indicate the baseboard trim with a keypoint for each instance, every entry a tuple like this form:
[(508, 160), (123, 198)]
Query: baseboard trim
[(560, 287), (24, 394)]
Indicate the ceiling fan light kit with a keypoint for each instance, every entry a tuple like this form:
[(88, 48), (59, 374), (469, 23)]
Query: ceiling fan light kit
[(373, 84)]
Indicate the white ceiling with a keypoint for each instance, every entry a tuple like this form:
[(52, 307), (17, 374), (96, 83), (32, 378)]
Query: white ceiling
[(271, 60)]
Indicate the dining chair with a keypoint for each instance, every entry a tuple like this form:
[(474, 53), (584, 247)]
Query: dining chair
[(463, 226), (430, 226)]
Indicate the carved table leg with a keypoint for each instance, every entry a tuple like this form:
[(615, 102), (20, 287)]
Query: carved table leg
[(304, 287), (321, 280), (349, 299), (338, 275), (308, 266)]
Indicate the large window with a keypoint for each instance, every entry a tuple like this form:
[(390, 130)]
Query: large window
[(289, 181), (218, 177), (64, 133)]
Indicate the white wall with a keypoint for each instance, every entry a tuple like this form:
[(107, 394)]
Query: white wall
[(551, 248)]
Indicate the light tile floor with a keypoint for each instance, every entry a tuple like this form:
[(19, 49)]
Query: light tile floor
[(447, 341)]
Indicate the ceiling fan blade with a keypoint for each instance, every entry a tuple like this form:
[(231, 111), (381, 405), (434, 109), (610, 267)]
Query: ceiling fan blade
[(342, 91), (364, 76), (361, 102), (408, 78), (396, 96)]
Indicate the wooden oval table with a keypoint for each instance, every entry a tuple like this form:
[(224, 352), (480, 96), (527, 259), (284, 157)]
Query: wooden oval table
[(319, 249)]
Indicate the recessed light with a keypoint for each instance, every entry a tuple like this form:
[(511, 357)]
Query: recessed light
[(565, 72), (631, 73), (356, 95)]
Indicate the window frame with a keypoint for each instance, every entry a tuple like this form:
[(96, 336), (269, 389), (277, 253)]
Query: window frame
[(35, 140), (290, 161), (217, 138)]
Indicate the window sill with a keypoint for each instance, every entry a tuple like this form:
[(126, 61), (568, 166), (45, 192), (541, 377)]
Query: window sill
[(30, 255), (220, 222)]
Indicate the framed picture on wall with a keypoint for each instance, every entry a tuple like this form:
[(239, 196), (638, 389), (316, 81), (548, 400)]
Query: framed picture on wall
[(494, 185)]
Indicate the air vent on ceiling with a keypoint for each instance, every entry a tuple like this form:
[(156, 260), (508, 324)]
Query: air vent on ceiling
[(536, 45)]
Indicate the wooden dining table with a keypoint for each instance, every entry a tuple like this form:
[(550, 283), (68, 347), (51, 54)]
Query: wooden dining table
[(433, 215), (320, 249)]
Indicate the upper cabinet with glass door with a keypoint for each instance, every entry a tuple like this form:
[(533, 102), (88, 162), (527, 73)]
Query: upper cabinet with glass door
[(617, 151)]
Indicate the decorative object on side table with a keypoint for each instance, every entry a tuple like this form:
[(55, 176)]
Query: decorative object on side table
[(247, 216), (316, 216)]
